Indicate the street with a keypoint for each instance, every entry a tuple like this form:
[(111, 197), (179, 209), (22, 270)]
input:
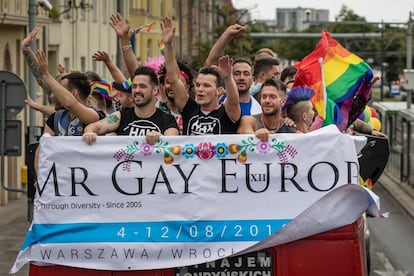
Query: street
[(392, 238)]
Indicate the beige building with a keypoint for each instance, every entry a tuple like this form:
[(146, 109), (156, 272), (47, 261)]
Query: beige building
[(73, 30), (14, 23)]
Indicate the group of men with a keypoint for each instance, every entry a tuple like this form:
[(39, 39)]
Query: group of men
[(225, 97)]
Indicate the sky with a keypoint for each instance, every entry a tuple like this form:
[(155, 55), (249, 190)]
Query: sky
[(372, 10)]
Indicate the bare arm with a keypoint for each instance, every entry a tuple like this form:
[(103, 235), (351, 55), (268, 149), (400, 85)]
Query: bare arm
[(366, 128), (231, 104), (116, 73), (218, 48), (248, 125), (106, 125), (45, 109), (29, 56), (122, 28), (180, 91), (84, 113)]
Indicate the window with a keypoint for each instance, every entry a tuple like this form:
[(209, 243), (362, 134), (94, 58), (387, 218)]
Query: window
[(149, 9), (95, 11), (18, 57), (83, 64), (149, 48), (94, 65), (162, 8), (104, 11), (7, 59), (66, 64)]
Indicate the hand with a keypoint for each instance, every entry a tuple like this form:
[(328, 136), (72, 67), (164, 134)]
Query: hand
[(225, 65), (235, 30), (30, 103), (378, 133), (28, 40), (152, 137), (89, 137), (41, 62), (289, 122), (167, 30), (120, 25), (263, 134), (60, 69), (101, 56), (374, 80)]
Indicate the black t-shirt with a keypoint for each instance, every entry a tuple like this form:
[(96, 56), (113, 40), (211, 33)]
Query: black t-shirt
[(195, 122), (133, 125)]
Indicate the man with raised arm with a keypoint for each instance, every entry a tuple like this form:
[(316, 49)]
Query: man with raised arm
[(204, 115)]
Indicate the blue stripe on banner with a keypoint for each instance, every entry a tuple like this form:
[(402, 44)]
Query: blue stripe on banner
[(169, 231)]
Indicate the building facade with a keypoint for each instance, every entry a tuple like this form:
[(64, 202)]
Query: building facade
[(14, 20), (72, 30)]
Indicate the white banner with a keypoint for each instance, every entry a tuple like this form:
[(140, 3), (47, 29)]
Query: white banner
[(121, 204)]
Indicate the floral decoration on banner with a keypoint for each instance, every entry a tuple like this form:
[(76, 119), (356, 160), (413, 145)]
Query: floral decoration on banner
[(206, 150)]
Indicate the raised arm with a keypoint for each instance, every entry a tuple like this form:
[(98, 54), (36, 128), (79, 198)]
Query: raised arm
[(173, 71), (45, 109), (218, 48), (85, 114), (231, 104), (29, 55), (122, 28), (116, 73)]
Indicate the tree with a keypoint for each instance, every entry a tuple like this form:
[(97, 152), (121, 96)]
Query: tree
[(241, 47)]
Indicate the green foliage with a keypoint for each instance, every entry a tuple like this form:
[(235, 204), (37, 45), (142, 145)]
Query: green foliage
[(239, 47), (392, 53), (54, 14)]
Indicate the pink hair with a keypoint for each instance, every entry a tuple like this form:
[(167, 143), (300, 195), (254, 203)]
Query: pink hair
[(155, 63)]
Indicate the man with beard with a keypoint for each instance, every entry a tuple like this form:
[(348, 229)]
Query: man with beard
[(273, 93), (144, 119), (204, 115), (243, 76)]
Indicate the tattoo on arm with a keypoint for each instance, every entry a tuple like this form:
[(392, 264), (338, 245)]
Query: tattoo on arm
[(111, 119), (30, 60)]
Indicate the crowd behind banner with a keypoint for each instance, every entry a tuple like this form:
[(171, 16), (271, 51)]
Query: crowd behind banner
[(166, 97)]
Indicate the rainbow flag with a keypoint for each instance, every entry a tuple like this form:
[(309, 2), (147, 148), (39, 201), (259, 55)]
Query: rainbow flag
[(146, 27), (341, 81), (162, 47), (102, 87)]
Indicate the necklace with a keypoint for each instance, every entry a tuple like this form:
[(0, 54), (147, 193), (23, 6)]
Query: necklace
[(269, 128)]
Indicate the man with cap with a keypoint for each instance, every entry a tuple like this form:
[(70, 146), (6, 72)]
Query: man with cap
[(122, 93)]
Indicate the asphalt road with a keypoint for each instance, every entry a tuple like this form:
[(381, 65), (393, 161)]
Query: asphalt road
[(392, 238)]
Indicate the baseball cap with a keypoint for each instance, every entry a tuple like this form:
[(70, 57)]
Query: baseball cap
[(123, 86)]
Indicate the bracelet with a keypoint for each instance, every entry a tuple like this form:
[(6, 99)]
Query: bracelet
[(25, 48), (126, 47)]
